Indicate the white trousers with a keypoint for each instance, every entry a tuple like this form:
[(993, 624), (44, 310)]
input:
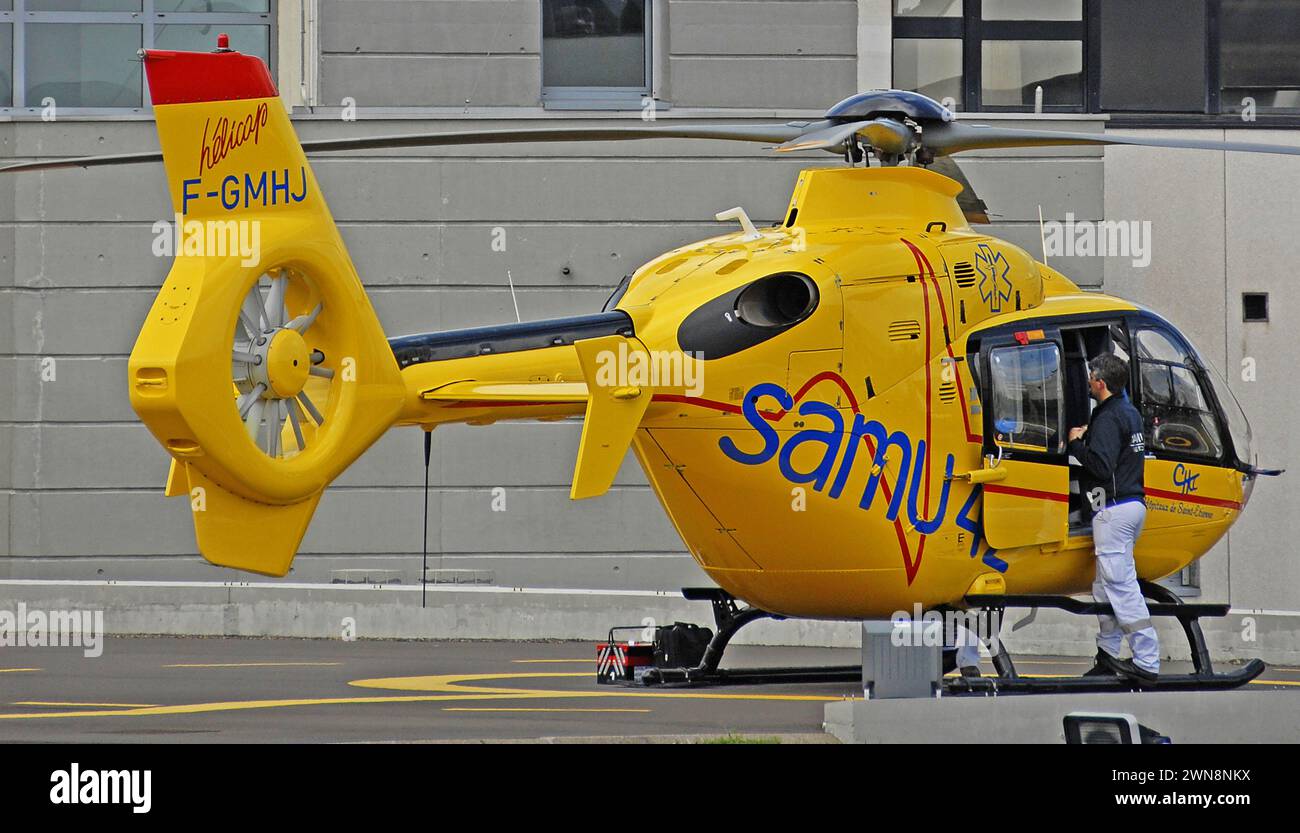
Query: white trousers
[(968, 648), (1114, 531)]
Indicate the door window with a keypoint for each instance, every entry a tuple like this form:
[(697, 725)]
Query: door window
[(1027, 397)]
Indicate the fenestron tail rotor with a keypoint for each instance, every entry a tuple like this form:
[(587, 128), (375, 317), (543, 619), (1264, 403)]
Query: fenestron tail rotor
[(274, 363)]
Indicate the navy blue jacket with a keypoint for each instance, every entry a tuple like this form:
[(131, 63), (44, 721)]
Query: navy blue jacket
[(1113, 451)]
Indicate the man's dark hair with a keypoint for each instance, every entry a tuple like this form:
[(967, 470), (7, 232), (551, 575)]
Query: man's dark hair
[(1112, 370)]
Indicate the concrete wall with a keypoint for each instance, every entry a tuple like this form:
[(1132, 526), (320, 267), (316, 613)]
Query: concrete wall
[(718, 53), (80, 479), (1221, 226), (385, 53)]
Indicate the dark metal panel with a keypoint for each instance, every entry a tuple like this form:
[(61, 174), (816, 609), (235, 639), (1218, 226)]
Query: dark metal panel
[(1153, 55), (507, 338)]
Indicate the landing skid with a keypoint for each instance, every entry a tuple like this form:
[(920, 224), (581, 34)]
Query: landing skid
[(730, 617), (1164, 603)]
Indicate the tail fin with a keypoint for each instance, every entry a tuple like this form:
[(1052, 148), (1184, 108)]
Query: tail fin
[(262, 368)]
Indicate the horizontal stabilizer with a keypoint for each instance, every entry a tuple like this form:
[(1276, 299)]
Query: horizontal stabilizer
[(613, 413)]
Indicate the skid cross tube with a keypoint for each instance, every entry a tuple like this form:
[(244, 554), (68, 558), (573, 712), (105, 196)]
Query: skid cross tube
[(730, 617)]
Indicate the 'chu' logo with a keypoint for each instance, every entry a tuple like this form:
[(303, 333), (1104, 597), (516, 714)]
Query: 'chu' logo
[(1184, 479)]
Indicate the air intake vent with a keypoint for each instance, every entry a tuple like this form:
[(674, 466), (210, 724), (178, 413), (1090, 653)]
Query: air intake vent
[(947, 392), (963, 274), (904, 330)]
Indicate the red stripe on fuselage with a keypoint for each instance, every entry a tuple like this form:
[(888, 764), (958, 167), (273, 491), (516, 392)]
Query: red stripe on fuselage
[(1016, 491), (943, 309), (1203, 501)]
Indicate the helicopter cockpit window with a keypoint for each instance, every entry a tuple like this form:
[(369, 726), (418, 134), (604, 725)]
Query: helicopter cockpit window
[(1176, 416), (1027, 397)]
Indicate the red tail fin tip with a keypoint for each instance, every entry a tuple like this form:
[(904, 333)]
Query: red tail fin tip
[(191, 77)]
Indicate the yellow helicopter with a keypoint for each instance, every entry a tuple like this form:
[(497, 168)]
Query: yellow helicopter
[(859, 409)]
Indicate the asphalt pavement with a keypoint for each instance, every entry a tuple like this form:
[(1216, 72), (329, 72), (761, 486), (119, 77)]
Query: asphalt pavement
[(179, 690)]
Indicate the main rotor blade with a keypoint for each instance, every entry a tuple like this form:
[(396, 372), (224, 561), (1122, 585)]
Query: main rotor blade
[(772, 134), (955, 137), (764, 133), (884, 135), (942, 139), (827, 138), (82, 162)]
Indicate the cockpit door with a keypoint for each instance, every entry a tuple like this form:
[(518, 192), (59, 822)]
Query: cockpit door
[(1026, 493)]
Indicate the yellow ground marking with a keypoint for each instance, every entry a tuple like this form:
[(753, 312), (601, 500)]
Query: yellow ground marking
[(13, 670), (453, 682), (245, 664), (236, 705), (100, 705), (567, 711), (447, 686)]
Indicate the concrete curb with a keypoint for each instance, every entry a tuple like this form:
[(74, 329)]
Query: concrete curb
[(393, 611), (1205, 717)]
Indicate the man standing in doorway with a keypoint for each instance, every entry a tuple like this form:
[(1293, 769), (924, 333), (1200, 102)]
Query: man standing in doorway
[(1112, 451)]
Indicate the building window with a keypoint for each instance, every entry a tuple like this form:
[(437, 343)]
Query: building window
[(80, 55), (1221, 61), (1259, 55), (1254, 306), (931, 66), (992, 54), (595, 53), (1012, 72)]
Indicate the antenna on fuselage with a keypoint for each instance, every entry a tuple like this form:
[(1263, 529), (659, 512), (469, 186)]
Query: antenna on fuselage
[(1042, 234), (510, 280)]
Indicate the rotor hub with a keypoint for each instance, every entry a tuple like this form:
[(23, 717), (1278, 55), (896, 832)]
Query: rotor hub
[(287, 362)]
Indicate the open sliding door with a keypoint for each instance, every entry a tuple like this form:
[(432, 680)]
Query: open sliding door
[(1027, 503)]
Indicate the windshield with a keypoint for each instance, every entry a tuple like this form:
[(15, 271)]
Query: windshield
[(1238, 425)]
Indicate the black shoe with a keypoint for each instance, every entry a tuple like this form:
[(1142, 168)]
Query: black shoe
[(1142, 676), (1123, 668), (1103, 665)]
